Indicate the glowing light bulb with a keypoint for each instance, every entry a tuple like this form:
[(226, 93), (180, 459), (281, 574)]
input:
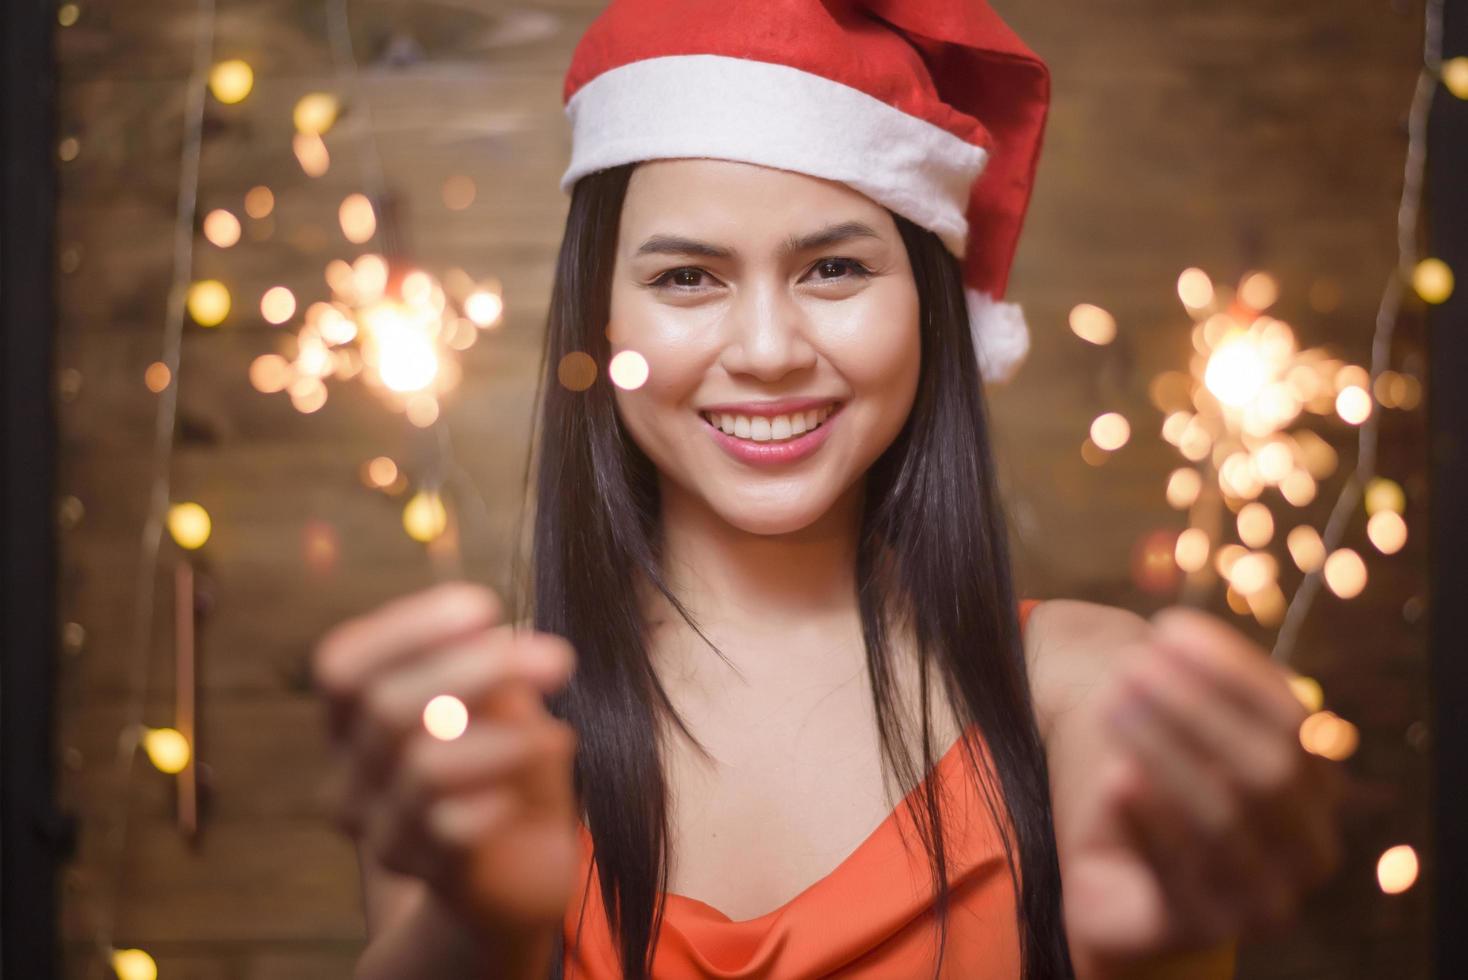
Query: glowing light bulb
[(167, 749), (189, 525), (133, 964), (1110, 431), (1396, 869), (424, 516), (208, 302), (1387, 531), (1345, 573), (1091, 323), (231, 81), (221, 228), (1433, 280), (315, 113)]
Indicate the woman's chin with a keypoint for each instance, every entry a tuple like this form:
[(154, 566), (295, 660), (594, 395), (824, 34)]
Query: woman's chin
[(771, 518)]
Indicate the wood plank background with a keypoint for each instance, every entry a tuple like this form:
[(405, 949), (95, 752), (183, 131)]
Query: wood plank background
[(1231, 136)]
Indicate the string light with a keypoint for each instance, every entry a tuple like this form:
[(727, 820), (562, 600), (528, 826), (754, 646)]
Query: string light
[(167, 749), (1396, 869), (231, 81), (189, 525)]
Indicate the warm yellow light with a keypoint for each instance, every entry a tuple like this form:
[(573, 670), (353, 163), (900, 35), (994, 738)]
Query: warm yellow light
[(445, 717), (315, 113), (157, 377), (1345, 573), (308, 394), (1252, 572), (1327, 734), (1298, 488), (221, 228), (1194, 288), (1306, 548), (189, 525), (1259, 290), (208, 302), (259, 202), (358, 219), (1092, 323), (270, 373), (277, 305), (1396, 869), (1307, 691), (133, 964), (1236, 371), (628, 370), (167, 749), (1191, 550), (1353, 404), (424, 516), (1455, 76), (1274, 461), (484, 308), (1110, 431), (311, 153), (422, 410), (1183, 487), (1382, 494), (1387, 531), (369, 277), (1255, 524), (458, 192), (67, 14), (380, 472), (1225, 557), (231, 81), (407, 361), (1433, 280)]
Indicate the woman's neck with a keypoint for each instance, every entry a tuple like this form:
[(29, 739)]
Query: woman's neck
[(746, 590)]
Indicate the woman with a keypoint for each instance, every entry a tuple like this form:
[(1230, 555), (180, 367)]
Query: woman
[(780, 571)]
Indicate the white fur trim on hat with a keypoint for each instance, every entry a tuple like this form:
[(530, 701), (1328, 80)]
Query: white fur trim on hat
[(1001, 338), (704, 105)]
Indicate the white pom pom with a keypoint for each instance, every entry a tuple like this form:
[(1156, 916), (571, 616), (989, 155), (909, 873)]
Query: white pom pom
[(1001, 337)]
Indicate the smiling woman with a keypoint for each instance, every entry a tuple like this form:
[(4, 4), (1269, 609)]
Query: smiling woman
[(810, 735)]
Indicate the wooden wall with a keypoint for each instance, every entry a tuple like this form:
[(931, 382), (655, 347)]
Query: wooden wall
[(1226, 135)]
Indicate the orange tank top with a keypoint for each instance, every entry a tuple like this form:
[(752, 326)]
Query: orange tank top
[(871, 918)]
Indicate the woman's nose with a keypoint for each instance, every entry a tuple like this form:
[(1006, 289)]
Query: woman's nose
[(767, 337)]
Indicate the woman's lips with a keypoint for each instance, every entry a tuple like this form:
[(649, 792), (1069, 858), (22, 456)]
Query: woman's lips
[(782, 444)]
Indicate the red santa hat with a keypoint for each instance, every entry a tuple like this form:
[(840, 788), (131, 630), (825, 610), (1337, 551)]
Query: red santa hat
[(932, 108)]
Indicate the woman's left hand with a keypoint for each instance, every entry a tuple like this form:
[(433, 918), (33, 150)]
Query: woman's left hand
[(1206, 819)]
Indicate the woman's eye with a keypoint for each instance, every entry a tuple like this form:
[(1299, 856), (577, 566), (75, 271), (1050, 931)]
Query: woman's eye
[(688, 277)]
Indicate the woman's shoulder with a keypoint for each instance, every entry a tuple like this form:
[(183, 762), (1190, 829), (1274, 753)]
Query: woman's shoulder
[(1071, 646)]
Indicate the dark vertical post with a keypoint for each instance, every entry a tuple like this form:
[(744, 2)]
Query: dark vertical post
[(30, 837), (1447, 401)]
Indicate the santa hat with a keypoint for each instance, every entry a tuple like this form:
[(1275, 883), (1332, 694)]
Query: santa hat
[(932, 108)]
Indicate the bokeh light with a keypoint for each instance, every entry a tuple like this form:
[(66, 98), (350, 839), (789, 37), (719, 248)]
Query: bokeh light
[(277, 305), (380, 472), (446, 717), (231, 81), (208, 302), (259, 202), (221, 228), (167, 749), (1345, 573), (458, 192), (1307, 691), (1396, 869), (189, 525), (1306, 548), (311, 154), (1387, 531), (628, 370), (1330, 736), (133, 964), (1259, 290), (1191, 550), (1183, 487), (576, 371), (1383, 493), (357, 218), (1091, 323), (424, 516), (315, 113), (1433, 280), (1110, 431), (1194, 288), (157, 377)]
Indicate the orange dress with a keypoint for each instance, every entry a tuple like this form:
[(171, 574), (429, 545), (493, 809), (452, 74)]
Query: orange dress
[(869, 918)]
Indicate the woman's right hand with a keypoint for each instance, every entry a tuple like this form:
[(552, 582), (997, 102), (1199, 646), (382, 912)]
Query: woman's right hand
[(487, 820)]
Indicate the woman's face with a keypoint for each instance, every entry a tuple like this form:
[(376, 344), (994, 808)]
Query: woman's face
[(778, 316)]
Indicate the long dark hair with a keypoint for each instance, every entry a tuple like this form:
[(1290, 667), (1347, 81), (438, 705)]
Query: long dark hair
[(933, 547)]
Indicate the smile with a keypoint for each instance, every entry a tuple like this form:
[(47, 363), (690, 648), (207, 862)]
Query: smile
[(772, 439), (769, 428)]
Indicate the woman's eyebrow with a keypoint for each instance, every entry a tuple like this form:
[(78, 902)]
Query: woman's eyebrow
[(679, 245)]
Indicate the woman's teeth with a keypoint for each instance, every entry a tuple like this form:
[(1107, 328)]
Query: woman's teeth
[(769, 428)]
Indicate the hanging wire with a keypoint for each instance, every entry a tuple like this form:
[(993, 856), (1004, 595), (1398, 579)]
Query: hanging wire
[(1408, 211), (164, 422)]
